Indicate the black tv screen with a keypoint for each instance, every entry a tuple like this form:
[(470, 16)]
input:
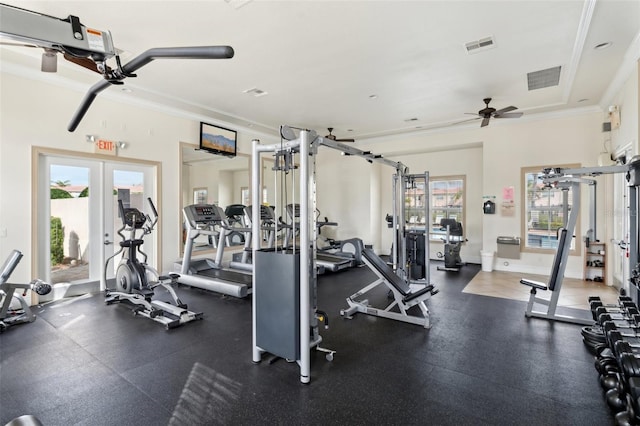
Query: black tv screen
[(218, 140)]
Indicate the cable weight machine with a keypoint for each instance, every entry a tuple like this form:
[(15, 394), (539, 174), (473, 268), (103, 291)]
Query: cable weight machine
[(285, 316)]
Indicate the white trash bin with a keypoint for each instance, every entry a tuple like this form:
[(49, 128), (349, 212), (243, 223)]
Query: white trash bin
[(487, 260)]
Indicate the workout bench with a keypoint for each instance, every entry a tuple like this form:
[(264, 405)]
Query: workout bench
[(9, 316), (554, 285), (404, 296)]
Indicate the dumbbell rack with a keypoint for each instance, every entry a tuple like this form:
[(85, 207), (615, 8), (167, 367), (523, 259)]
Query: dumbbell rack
[(615, 342), (595, 262)]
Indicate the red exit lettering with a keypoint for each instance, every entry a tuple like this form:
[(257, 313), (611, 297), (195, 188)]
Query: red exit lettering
[(105, 145)]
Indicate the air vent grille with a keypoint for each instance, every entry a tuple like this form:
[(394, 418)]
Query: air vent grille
[(479, 45), (544, 78)]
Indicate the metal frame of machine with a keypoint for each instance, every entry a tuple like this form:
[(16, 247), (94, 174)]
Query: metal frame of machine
[(571, 180), (305, 146)]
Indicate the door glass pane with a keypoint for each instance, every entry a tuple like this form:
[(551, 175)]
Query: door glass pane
[(69, 204), (128, 186)]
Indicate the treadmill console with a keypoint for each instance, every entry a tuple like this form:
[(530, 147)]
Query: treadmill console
[(202, 213)]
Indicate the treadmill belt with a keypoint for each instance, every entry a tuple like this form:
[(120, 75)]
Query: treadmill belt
[(229, 276), (327, 257)]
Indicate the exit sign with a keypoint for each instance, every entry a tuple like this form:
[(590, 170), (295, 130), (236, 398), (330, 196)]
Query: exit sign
[(105, 147)]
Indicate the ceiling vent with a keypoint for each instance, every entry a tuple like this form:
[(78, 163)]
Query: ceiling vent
[(544, 78), (256, 92), (480, 45)]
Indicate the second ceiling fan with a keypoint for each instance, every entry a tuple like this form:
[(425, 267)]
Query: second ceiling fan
[(333, 137), (487, 113)]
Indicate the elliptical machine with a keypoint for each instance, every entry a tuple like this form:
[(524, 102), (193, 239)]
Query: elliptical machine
[(135, 280), (12, 315), (452, 244)]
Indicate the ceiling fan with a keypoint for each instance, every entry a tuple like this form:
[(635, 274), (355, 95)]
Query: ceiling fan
[(488, 112), (333, 137)]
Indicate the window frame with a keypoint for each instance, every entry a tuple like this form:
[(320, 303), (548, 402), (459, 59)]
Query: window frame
[(577, 242), (439, 237)]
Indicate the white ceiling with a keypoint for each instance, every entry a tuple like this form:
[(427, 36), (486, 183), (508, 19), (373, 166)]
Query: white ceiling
[(321, 61)]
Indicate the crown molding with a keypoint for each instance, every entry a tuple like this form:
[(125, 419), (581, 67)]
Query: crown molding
[(629, 63)]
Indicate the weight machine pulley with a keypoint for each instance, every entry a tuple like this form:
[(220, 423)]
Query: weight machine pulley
[(89, 48)]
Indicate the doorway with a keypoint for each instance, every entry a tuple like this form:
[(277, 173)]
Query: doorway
[(77, 217)]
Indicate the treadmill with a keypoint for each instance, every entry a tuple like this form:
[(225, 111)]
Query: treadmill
[(325, 261), (243, 261), (206, 273)]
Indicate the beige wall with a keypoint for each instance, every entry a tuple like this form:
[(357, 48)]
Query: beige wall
[(490, 158), (350, 191), (35, 113)]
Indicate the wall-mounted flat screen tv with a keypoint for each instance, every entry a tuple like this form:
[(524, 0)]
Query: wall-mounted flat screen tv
[(218, 140)]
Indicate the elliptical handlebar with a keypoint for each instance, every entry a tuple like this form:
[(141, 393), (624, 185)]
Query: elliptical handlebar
[(124, 224), (134, 219), (155, 216)]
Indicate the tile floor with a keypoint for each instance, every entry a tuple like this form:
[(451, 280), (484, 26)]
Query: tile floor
[(574, 293)]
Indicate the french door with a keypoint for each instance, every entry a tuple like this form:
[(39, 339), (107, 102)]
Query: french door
[(78, 219)]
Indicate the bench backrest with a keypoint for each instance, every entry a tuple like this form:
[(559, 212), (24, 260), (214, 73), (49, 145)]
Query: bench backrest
[(9, 265), (387, 272), (557, 260)]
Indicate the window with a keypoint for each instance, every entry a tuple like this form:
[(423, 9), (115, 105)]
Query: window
[(200, 195), (447, 202), (543, 212)]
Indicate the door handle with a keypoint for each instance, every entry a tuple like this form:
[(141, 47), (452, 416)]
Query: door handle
[(107, 242)]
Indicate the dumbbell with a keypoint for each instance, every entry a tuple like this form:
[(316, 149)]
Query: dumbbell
[(612, 308), (615, 378), (623, 314), (630, 326), (620, 299), (630, 415), (595, 301), (621, 398)]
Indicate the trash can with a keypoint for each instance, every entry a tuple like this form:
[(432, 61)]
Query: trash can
[(487, 260)]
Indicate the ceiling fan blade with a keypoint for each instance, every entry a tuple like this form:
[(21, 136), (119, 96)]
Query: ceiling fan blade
[(464, 121), (485, 122), (344, 140), (509, 115), (503, 110)]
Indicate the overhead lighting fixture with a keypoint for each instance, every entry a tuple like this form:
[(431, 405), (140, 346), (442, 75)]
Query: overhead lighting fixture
[(91, 138), (602, 46), (255, 92)]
